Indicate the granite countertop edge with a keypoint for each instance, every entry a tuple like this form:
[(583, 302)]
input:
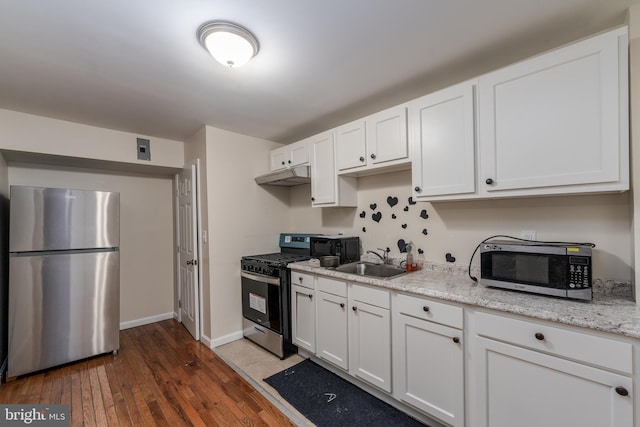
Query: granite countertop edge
[(606, 313)]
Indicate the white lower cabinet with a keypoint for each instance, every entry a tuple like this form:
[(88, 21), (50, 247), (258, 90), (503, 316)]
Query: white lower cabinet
[(429, 357), (531, 375), (303, 314), (370, 336), (466, 367), (333, 338)]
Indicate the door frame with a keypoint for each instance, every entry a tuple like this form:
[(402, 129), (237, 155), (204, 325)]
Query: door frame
[(197, 239)]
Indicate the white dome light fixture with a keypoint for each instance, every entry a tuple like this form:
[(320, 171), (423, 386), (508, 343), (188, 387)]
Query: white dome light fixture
[(230, 44)]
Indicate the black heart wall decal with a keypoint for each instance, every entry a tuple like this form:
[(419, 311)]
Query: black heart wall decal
[(424, 214), (450, 258), (411, 201), (402, 246), (406, 209), (377, 216), (424, 231), (373, 206), (392, 201), (420, 251), (363, 214), (393, 216), (404, 225), (364, 229)]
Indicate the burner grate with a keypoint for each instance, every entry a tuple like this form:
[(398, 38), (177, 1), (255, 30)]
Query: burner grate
[(277, 258)]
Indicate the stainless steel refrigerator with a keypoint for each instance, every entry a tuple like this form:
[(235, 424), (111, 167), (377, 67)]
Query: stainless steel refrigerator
[(64, 276)]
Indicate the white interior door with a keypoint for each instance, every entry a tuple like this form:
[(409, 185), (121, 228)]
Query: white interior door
[(187, 230)]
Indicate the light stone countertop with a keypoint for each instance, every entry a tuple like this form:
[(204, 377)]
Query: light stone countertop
[(607, 312)]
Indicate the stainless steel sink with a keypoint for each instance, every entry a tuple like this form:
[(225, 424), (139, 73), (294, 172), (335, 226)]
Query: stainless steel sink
[(371, 269)]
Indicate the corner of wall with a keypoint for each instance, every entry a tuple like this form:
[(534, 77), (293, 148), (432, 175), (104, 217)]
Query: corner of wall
[(633, 21)]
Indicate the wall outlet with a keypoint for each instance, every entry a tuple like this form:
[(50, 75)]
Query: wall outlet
[(528, 234)]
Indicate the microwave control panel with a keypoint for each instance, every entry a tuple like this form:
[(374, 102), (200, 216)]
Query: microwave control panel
[(579, 272)]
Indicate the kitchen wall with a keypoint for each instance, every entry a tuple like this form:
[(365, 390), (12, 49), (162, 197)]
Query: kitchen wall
[(66, 154), (244, 219), (457, 227), (146, 233), (28, 133)]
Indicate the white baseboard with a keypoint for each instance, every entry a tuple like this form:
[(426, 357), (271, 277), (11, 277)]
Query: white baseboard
[(176, 316), (205, 340), (146, 320), (217, 342)]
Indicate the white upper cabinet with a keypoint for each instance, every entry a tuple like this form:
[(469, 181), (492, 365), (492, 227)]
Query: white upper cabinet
[(327, 188), (387, 135), (290, 155), (351, 145), (557, 123), (279, 159), (443, 142), (376, 142)]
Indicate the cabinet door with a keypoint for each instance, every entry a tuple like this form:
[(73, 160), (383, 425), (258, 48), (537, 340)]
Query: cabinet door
[(298, 153), (332, 329), (558, 119), (323, 170), (303, 317), (524, 388), (279, 158), (443, 142), (429, 368), (387, 135), (370, 344), (351, 150)]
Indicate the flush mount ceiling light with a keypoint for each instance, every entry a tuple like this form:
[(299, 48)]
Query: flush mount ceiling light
[(230, 44)]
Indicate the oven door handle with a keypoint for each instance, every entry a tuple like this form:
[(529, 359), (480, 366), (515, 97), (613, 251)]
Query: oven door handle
[(263, 279)]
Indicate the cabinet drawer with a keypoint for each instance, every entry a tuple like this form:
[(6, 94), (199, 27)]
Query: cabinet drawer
[(302, 279), (333, 287), (594, 350), (422, 308), (371, 296)]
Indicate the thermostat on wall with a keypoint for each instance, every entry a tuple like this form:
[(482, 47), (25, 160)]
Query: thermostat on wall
[(144, 149)]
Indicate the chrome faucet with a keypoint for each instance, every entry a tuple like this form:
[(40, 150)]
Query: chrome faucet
[(385, 255)]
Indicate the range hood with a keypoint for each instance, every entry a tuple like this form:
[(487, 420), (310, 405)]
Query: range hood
[(287, 177)]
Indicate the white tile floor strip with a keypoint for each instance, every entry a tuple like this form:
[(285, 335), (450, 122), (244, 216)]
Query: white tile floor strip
[(254, 364)]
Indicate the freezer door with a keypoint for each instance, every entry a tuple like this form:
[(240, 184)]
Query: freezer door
[(45, 219), (62, 307)]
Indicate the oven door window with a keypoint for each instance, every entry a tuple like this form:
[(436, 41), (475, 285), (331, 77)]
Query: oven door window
[(261, 303)]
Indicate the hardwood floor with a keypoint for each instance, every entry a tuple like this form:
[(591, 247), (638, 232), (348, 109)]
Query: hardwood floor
[(160, 377)]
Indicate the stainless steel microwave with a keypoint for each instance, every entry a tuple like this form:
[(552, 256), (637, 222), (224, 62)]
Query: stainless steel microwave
[(347, 248), (562, 270)]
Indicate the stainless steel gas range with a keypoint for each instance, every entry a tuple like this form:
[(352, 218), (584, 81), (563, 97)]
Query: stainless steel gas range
[(266, 294)]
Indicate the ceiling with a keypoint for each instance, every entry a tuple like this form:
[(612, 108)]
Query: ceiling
[(137, 66)]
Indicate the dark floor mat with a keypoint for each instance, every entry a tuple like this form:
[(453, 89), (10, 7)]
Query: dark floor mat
[(328, 400)]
